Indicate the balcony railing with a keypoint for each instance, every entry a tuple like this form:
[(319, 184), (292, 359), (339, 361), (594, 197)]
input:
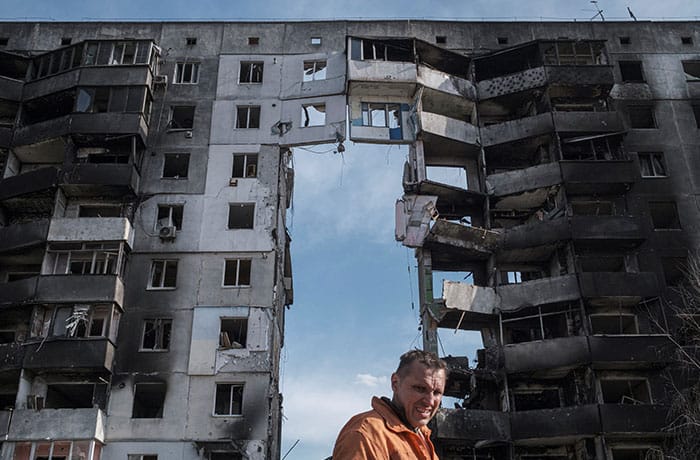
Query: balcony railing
[(102, 179), (80, 289), (94, 354), (29, 425), (18, 236)]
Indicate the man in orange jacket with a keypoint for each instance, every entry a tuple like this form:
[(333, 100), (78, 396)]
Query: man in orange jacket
[(395, 429)]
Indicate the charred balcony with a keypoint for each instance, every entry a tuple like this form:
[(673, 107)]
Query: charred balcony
[(11, 356), (106, 179), (18, 291), (562, 423), (94, 354), (633, 419), (10, 89), (611, 177), (458, 240), (23, 235), (29, 186), (82, 423), (472, 425), (630, 351), (80, 289), (601, 286)]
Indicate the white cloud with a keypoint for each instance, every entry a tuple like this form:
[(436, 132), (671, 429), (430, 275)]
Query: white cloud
[(372, 381)]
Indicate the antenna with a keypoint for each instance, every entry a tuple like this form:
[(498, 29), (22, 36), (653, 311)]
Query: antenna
[(599, 11)]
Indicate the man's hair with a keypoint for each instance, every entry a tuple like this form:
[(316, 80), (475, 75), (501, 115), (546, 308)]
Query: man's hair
[(428, 359)]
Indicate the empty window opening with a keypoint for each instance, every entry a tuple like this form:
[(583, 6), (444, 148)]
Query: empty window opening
[(687, 40), (601, 263), (645, 453), (600, 148), (652, 164), (156, 334), (625, 391), (536, 398), (631, 71), (229, 399), (641, 117), (176, 165), (4, 41), (65, 41), (186, 73), (57, 450), (237, 272), (696, 114), (625, 41), (674, 270), (614, 324), (234, 333), (245, 165), (691, 69), (7, 336), (8, 113), (383, 115), (169, 215), (251, 72), (566, 52), (85, 259), (313, 115), (52, 106), (253, 40), (316, 41), (99, 211), (592, 208), (149, 399), (191, 41), (248, 116), (314, 70), (74, 321), (448, 175), (181, 117), (163, 274), (441, 39), (664, 215), (241, 215), (539, 326), (502, 40), (381, 50), (75, 395)]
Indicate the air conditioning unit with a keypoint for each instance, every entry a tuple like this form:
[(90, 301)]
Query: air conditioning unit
[(167, 233), (160, 80)]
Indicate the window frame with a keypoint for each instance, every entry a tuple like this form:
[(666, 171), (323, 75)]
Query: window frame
[(308, 119), (237, 275), (677, 219), (243, 335), (159, 326), (251, 72), (232, 385), (638, 109), (246, 167), (367, 108), (163, 276), (241, 205), (648, 162), (313, 64), (173, 223), (248, 119), (180, 72), (173, 108), (630, 62), (176, 176)]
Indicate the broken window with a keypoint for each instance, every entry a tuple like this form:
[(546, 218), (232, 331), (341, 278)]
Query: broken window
[(229, 399), (625, 391), (592, 208), (169, 215), (593, 148), (186, 73), (573, 53), (237, 272), (245, 165), (149, 399), (652, 164), (687, 40), (664, 215), (601, 263), (674, 270), (248, 116), (691, 69), (176, 165), (73, 321), (241, 215), (8, 113), (536, 398), (613, 324), (48, 107), (163, 274), (181, 117), (625, 40), (85, 258), (190, 41), (57, 450), (383, 115), (314, 70), (529, 327), (631, 71), (75, 395), (441, 39), (156, 334), (253, 40), (99, 211), (313, 115), (641, 117), (381, 50), (233, 333), (251, 72)]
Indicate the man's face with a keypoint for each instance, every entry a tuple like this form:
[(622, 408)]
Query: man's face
[(418, 392)]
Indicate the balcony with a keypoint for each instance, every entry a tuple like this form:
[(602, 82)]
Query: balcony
[(435, 81), (471, 425), (562, 422), (91, 229), (630, 351), (19, 291), (11, 356), (618, 285), (18, 236), (39, 425), (524, 180), (28, 183), (385, 78), (512, 83), (607, 232), (70, 354), (451, 240), (598, 177), (452, 202), (80, 289), (631, 419), (112, 180), (108, 123), (11, 89), (5, 418), (588, 122), (513, 130), (543, 291), (554, 354), (5, 136)]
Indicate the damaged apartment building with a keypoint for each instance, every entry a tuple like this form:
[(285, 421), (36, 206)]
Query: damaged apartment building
[(144, 256)]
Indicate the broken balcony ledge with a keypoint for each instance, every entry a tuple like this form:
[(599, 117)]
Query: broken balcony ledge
[(445, 83), (29, 182), (39, 425), (61, 353), (587, 420), (23, 235), (449, 128)]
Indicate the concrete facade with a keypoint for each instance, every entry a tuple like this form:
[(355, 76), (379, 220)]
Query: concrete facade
[(144, 259)]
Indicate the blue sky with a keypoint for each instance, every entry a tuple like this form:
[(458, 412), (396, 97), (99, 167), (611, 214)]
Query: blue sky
[(356, 295)]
